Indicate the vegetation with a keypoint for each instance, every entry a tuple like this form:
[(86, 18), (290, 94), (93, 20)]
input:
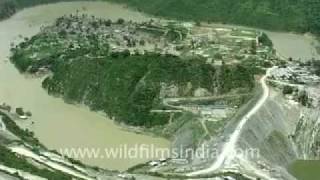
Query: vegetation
[(264, 39), (7, 8), (25, 135), (123, 85), (289, 15), (316, 66), (287, 90), (12, 160), (127, 88), (303, 98)]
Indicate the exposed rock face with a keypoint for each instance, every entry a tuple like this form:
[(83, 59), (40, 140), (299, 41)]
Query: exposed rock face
[(201, 92), (270, 129), (307, 134), (282, 131)]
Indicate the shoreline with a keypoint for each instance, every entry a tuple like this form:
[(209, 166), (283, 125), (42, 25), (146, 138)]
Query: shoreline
[(59, 124), (119, 125)]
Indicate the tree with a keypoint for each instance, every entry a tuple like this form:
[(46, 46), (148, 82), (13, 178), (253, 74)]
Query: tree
[(312, 10), (108, 22), (142, 42), (198, 23), (120, 21), (63, 33), (303, 98), (253, 47), (316, 65), (264, 39), (125, 53), (287, 90), (95, 24)]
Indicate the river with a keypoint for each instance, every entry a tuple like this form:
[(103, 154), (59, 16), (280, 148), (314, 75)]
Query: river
[(60, 125), (287, 44), (57, 124), (305, 170), (294, 45)]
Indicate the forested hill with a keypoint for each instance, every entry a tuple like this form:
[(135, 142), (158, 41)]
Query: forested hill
[(90, 62), (287, 15)]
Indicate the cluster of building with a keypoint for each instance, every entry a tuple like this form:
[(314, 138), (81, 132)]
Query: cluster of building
[(216, 45), (214, 112), (295, 74), (119, 36), (298, 82), (226, 45)]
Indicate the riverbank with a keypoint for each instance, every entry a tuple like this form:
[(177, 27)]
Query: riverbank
[(54, 119), (9, 7), (19, 147), (283, 49), (297, 16), (57, 124)]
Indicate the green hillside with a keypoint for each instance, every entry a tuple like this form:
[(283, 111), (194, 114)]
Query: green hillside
[(86, 69), (128, 87), (287, 15)]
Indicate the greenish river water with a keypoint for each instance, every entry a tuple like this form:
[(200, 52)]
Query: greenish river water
[(305, 170)]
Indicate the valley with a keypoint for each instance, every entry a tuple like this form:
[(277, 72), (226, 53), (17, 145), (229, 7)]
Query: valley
[(205, 83)]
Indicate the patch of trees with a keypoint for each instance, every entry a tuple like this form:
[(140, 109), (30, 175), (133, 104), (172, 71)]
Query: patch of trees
[(12, 160), (316, 66), (7, 8), (297, 15), (292, 15), (287, 90), (264, 39), (235, 76), (120, 21), (25, 135), (303, 98), (127, 86), (312, 12)]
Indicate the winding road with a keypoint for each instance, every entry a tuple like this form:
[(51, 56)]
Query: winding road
[(229, 148)]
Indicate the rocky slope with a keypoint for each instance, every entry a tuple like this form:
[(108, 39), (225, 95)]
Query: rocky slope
[(283, 131), (269, 132)]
